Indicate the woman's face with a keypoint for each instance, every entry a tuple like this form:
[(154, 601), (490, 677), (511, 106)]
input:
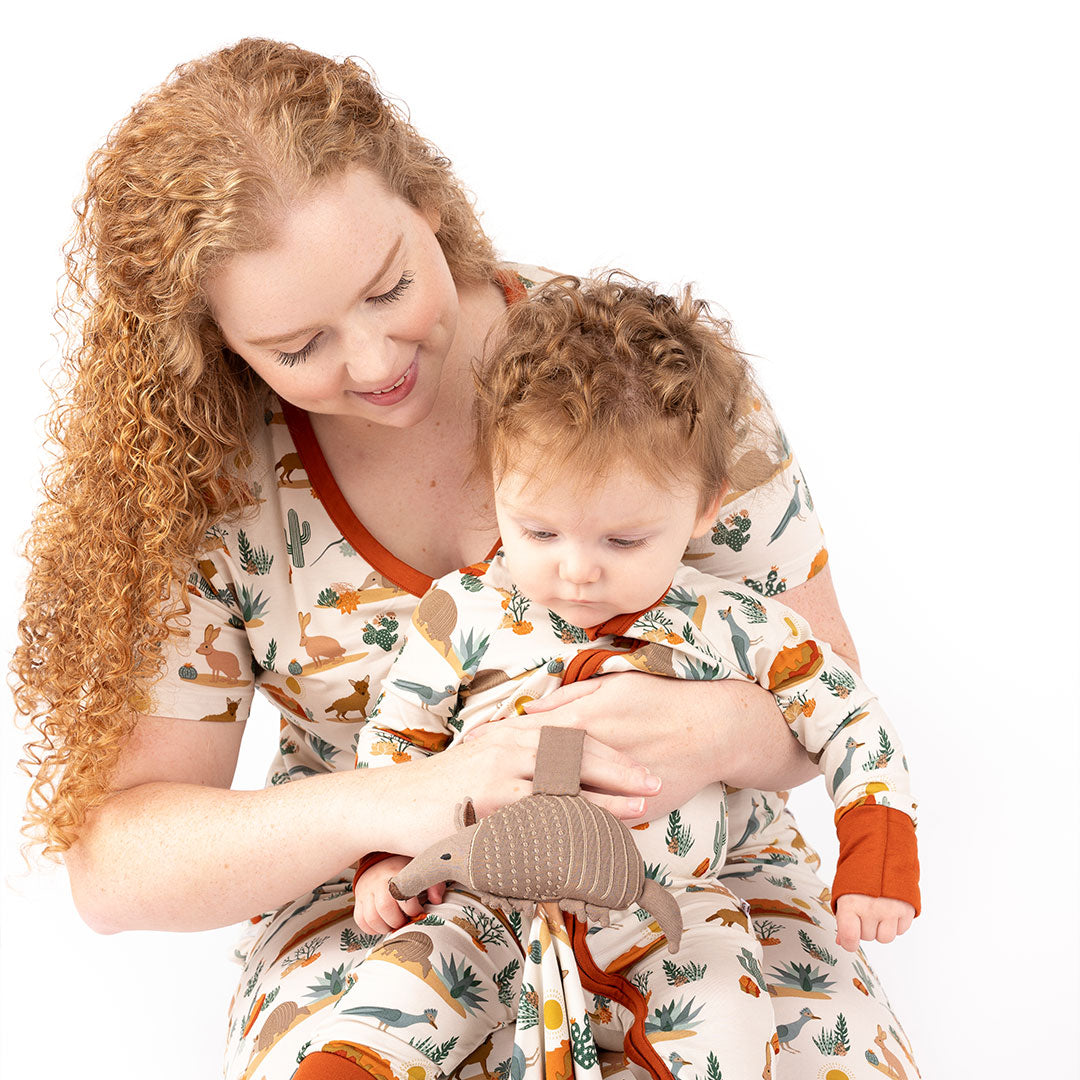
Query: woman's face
[(352, 311)]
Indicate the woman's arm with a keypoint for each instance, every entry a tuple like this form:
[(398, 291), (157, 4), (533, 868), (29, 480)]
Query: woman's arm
[(174, 849), (692, 733)]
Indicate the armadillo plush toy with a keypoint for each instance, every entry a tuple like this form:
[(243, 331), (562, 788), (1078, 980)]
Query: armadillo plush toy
[(551, 846)]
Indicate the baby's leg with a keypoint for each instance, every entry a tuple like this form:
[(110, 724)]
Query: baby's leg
[(426, 999), (704, 1011), (832, 1015)]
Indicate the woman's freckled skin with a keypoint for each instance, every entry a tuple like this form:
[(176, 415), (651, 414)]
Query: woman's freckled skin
[(337, 253)]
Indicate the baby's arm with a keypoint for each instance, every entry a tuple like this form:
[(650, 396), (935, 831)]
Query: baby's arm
[(838, 719), (411, 717), (410, 720)]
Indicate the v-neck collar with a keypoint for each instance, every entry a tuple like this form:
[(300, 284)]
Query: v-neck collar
[(337, 507)]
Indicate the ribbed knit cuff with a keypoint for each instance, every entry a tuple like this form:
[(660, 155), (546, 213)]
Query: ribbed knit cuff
[(371, 859), (878, 855)]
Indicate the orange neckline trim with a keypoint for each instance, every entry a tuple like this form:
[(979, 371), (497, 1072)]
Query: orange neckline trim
[(337, 507), (617, 625)]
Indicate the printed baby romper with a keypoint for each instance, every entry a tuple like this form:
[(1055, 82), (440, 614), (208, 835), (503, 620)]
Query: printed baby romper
[(478, 648), (299, 601)]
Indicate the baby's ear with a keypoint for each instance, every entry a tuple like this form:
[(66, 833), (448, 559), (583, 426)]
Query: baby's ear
[(707, 517), (465, 814)]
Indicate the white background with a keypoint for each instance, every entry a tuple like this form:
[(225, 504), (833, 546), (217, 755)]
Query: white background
[(884, 200)]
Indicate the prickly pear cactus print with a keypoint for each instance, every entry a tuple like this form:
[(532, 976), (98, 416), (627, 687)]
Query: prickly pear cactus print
[(300, 555)]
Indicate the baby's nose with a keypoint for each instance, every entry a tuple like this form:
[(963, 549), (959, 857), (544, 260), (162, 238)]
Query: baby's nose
[(579, 569)]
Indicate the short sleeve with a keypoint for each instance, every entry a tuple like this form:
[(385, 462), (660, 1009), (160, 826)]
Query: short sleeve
[(768, 536), (208, 674)]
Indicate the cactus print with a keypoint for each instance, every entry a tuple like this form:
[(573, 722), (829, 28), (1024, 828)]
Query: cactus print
[(726, 632), (347, 583)]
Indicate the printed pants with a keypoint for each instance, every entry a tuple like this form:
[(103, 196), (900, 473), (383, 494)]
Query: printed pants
[(831, 1015)]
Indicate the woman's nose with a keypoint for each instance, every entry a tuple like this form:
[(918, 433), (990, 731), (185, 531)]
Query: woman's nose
[(370, 358)]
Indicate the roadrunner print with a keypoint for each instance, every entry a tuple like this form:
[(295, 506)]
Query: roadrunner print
[(300, 553)]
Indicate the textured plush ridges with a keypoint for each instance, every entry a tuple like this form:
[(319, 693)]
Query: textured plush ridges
[(554, 847)]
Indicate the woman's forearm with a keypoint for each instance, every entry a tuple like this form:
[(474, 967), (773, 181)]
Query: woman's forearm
[(164, 855), (753, 746), (172, 856)]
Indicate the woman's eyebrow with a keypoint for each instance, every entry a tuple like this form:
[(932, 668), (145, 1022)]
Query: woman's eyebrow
[(288, 335)]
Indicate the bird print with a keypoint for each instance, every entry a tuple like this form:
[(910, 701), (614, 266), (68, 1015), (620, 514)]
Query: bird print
[(389, 1018), (742, 875), (844, 767), (792, 511), (677, 1062), (786, 1032), (752, 825), (740, 642), (425, 693)]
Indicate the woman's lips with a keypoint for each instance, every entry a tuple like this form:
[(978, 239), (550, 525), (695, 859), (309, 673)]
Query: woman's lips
[(396, 391)]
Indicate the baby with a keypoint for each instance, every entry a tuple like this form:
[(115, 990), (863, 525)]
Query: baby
[(608, 416)]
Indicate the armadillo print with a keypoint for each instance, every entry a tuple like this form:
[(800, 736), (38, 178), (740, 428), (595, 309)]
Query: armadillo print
[(299, 603)]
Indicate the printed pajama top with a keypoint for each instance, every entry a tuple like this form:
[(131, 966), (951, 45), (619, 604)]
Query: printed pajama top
[(477, 648), (301, 603)]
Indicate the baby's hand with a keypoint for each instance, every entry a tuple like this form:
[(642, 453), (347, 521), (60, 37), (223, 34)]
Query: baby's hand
[(376, 911), (870, 918)]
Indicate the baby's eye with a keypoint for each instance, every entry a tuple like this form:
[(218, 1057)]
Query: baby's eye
[(394, 293), (537, 534), (621, 542), (298, 357)]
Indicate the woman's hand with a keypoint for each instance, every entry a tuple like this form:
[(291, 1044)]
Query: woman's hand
[(498, 769), (689, 733)]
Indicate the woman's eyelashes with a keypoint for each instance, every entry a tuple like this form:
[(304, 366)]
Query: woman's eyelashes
[(393, 294), (388, 297), (298, 357)]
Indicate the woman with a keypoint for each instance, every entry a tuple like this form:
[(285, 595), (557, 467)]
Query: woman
[(265, 446)]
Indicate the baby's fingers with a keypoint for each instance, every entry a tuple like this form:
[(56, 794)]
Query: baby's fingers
[(848, 929), (886, 931), (367, 915)]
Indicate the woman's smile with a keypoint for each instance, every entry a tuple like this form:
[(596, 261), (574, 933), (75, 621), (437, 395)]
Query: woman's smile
[(363, 271), (396, 391)]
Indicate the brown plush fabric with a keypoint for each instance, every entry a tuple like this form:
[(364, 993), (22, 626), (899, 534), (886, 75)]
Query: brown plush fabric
[(558, 761), (552, 845)]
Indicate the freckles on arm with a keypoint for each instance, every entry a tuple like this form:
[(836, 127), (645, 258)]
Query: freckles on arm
[(815, 600)]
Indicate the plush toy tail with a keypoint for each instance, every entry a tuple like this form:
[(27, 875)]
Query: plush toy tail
[(660, 904)]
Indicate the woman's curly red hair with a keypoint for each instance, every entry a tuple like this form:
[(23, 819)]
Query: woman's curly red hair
[(150, 422)]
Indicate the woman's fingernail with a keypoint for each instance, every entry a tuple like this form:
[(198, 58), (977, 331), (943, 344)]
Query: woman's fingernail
[(652, 782), (637, 806)]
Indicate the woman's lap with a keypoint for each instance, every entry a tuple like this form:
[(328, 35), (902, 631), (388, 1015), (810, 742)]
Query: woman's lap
[(832, 1015), (833, 1018)]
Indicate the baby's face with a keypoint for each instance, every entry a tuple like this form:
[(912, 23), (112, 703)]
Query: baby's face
[(591, 553)]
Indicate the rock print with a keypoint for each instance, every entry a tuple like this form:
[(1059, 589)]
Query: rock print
[(303, 553)]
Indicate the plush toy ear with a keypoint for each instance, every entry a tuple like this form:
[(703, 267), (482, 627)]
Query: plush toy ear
[(465, 814)]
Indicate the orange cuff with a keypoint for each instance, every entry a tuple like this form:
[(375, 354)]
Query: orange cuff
[(372, 858), (878, 855)]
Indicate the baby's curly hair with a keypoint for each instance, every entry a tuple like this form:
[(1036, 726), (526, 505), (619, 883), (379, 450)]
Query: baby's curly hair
[(151, 421), (603, 370)]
